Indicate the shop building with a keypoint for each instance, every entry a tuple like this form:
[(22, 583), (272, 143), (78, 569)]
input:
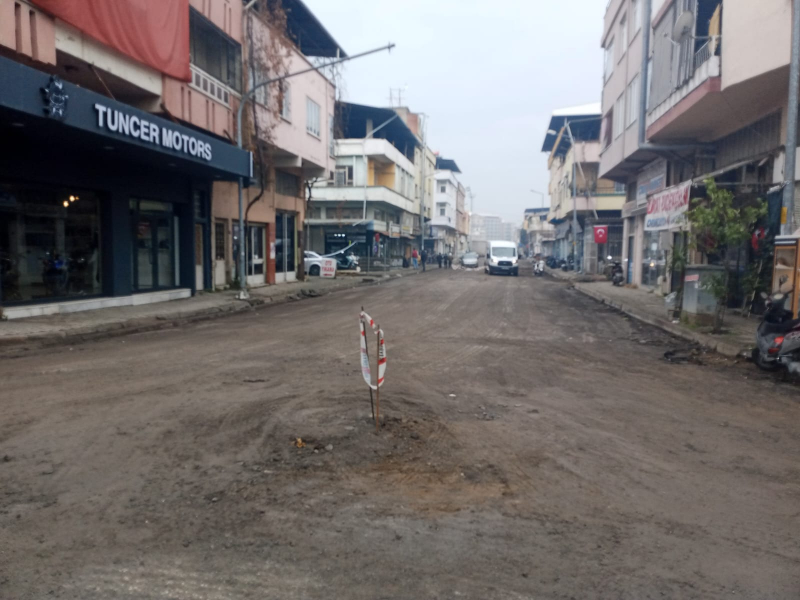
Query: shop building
[(102, 203), (293, 147), (580, 199), (369, 200), (713, 106)]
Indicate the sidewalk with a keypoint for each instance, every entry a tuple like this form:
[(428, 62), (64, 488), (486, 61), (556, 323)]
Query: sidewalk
[(649, 308), (109, 322)]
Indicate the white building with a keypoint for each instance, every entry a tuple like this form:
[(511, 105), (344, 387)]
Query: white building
[(448, 203)]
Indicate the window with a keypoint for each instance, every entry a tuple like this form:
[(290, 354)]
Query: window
[(619, 188), (331, 140), (219, 241), (636, 14), (344, 176), (285, 100), (379, 215), (214, 52), (443, 188), (262, 94), (619, 110), (633, 101), (286, 183), (623, 35), (312, 117), (609, 60), (606, 128)]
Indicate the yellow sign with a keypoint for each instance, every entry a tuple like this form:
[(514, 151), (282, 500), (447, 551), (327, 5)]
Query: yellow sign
[(783, 215)]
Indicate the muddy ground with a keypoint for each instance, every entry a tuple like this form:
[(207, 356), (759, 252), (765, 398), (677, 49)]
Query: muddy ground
[(535, 445)]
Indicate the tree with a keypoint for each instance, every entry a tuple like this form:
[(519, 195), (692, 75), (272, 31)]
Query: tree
[(720, 225), (524, 239)]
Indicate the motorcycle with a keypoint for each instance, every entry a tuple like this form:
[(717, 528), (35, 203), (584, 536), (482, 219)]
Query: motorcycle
[(617, 274), (778, 336), (538, 267), (552, 262), (347, 262)]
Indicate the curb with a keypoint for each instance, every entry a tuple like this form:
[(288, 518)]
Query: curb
[(721, 347), (159, 322)]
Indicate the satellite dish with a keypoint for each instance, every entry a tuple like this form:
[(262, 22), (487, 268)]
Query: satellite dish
[(684, 26)]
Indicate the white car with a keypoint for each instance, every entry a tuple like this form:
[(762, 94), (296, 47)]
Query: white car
[(313, 263), (470, 260)]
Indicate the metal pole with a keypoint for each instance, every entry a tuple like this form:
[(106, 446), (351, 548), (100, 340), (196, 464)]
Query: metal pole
[(243, 295), (424, 183), (378, 380), (575, 195), (791, 122)]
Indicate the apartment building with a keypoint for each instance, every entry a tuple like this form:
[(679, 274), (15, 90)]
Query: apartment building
[(715, 105), (445, 237), (106, 197), (576, 188), (294, 144), (540, 232), (487, 228), (370, 200)]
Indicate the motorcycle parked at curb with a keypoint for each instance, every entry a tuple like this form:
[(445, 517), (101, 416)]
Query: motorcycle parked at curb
[(538, 267), (778, 336), (617, 273)]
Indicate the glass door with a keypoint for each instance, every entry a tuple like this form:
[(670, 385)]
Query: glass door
[(255, 255), (154, 248), (285, 252)]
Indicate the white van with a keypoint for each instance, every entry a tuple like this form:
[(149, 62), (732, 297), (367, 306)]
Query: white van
[(502, 257)]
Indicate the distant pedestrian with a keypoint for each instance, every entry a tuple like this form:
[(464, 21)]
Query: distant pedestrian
[(424, 259), (439, 259), (415, 258)]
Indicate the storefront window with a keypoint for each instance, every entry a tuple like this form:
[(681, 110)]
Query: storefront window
[(654, 261), (49, 244)]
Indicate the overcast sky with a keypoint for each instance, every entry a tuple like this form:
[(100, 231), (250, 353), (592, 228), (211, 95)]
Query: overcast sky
[(488, 74)]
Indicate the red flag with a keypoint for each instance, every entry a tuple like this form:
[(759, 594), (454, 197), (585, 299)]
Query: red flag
[(600, 234)]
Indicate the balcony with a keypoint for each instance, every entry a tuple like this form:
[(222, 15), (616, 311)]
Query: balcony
[(359, 194)]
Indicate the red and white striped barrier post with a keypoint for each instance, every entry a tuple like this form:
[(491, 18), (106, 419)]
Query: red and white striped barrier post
[(366, 370)]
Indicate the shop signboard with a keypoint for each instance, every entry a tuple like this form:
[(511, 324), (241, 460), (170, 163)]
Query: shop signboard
[(667, 210), (652, 179)]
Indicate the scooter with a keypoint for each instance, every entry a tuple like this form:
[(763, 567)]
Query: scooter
[(617, 274), (538, 268), (347, 262), (778, 336)]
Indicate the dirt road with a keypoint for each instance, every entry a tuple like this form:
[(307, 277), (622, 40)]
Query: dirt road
[(536, 445)]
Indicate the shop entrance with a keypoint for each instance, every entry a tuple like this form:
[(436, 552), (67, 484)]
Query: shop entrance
[(285, 239), (256, 265), (154, 246)]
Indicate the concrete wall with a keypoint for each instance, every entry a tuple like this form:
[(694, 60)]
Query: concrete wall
[(27, 31), (225, 14), (756, 38)]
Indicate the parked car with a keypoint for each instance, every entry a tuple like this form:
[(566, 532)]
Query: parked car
[(313, 263), (470, 260)]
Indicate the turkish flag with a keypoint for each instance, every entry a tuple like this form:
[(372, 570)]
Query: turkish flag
[(600, 234)]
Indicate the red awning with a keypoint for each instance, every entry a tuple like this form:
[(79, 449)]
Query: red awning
[(153, 32)]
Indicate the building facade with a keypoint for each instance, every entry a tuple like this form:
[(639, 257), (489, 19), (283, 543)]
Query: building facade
[(448, 202), (540, 233), (106, 199), (370, 201), (714, 105), (580, 199)]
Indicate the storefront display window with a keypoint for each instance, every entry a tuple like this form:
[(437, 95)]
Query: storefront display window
[(654, 262), (49, 243)]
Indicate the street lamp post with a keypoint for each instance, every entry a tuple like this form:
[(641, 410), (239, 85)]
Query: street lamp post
[(243, 295)]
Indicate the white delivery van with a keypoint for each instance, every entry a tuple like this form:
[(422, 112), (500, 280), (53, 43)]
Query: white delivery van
[(502, 257)]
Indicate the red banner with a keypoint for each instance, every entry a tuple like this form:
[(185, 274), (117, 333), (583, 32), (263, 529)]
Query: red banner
[(600, 234), (153, 32)]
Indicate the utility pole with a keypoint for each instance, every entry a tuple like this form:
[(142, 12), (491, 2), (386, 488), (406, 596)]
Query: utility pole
[(424, 182), (791, 123), (246, 96), (575, 194)]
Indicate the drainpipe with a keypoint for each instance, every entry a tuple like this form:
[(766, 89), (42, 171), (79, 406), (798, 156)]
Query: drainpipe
[(791, 123)]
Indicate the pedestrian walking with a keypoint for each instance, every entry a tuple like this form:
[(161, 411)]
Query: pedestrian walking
[(424, 259), (439, 259), (415, 258)]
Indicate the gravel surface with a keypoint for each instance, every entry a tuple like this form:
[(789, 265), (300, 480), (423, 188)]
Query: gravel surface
[(534, 444)]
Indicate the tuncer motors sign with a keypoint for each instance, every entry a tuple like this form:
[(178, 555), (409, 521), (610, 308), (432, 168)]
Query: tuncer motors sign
[(667, 209), (133, 126)]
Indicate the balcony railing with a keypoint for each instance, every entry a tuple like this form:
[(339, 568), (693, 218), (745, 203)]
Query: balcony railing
[(706, 51)]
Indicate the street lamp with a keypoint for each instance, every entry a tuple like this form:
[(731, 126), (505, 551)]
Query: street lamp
[(243, 295), (541, 194)]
